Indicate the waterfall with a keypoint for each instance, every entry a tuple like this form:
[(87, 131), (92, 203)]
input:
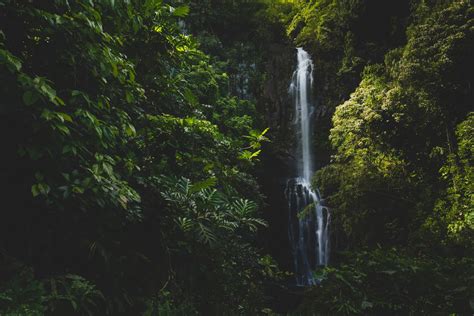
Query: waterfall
[(308, 220)]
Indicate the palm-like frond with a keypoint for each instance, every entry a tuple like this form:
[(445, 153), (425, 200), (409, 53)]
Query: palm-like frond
[(243, 207), (205, 234), (207, 212)]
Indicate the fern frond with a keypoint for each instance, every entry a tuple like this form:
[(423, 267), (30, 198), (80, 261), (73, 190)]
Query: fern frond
[(205, 234)]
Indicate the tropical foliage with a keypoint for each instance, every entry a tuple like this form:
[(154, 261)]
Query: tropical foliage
[(136, 150), (126, 167)]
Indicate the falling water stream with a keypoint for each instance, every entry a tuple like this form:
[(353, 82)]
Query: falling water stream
[(308, 220)]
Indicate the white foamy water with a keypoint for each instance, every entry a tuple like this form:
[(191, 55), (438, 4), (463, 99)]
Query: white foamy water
[(308, 222)]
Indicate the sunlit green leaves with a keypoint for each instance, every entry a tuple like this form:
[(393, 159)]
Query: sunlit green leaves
[(454, 211), (397, 129), (40, 188), (249, 155), (255, 139), (12, 63), (205, 184), (181, 11)]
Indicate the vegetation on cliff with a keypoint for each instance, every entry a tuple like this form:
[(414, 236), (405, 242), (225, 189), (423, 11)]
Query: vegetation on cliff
[(400, 175)]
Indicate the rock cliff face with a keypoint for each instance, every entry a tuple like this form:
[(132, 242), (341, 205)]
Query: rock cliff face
[(278, 160), (275, 103)]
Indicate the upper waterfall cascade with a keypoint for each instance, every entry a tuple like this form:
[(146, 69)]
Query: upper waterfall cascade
[(309, 219)]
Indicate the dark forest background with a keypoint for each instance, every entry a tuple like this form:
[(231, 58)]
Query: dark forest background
[(144, 143)]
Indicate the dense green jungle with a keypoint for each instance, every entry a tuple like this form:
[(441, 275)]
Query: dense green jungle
[(145, 146)]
